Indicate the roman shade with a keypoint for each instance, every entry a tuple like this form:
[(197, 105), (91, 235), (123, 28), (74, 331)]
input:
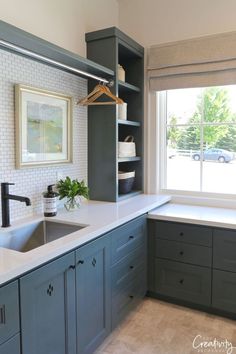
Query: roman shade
[(198, 62)]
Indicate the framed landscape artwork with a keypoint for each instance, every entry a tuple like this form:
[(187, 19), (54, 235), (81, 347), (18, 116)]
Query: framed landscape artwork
[(43, 127)]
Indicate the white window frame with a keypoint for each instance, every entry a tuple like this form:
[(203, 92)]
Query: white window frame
[(156, 147)]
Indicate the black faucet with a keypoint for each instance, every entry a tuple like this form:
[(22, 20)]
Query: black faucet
[(5, 202)]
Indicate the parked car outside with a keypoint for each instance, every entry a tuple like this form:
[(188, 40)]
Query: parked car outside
[(214, 154)]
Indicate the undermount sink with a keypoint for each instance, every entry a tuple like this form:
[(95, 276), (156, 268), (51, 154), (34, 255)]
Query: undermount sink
[(28, 237)]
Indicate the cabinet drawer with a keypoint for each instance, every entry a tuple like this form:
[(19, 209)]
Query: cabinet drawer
[(198, 235), (127, 237), (9, 311), (126, 270), (224, 291), (128, 298), (224, 250), (12, 346), (183, 252), (183, 281)]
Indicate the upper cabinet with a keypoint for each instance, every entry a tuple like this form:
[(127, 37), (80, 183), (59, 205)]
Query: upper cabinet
[(112, 48)]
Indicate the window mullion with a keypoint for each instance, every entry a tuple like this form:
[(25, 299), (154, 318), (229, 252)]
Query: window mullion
[(201, 141)]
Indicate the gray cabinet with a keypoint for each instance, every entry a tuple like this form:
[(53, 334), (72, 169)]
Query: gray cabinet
[(93, 293), (224, 270), (12, 346), (9, 319), (129, 267), (173, 231), (48, 308), (111, 47), (224, 250), (183, 281), (9, 311), (180, 261), (224, 291)]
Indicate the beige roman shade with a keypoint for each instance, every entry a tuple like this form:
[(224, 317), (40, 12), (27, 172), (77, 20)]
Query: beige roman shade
[(198, 62)]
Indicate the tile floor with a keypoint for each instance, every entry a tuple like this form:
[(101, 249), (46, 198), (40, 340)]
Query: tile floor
[(156, 327)]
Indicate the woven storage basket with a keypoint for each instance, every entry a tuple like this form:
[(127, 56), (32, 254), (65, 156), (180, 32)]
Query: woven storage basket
[(127, 147), (125, 181)]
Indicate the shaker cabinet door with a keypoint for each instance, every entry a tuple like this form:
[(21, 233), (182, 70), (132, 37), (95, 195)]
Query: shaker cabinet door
[(48, 308), (93, 293)]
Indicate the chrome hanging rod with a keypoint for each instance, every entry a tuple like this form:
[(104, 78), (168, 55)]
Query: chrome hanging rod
[(51, 61)]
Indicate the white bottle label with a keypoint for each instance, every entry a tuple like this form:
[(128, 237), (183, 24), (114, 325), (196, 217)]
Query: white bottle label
[(50, 205)]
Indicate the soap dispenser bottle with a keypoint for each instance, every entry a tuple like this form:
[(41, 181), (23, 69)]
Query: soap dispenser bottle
[(50, 202)]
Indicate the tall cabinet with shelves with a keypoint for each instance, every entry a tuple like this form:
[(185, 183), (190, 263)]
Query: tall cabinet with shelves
[(111, 47)]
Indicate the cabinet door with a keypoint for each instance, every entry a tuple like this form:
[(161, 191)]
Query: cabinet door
[(9, 311), (48, 308), (93, 294), (183, 281), (12, 346), (224, 291), (224, 249)]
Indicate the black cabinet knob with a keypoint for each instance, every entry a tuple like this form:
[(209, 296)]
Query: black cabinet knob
[(80, 262), (131, 237), (131, 296), (181, 234), (181, 281), (131, 267), (181, 253), (71, 267)]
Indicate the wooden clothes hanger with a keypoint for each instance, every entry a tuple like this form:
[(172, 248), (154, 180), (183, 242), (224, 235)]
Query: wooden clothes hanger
[(97, 92)]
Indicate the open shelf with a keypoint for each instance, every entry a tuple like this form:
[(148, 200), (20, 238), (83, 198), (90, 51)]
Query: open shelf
[(129, 122), (105, 130), (128, 159), (125, 86)]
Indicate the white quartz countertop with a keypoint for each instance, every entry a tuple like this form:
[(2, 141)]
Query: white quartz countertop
[(192, 214), (100, 217)]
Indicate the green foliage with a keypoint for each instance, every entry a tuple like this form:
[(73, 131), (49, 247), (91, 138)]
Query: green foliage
[(213, 106), (71, 188), (173, 134)]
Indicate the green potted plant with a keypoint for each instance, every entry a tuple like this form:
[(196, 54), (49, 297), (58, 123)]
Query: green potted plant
[(73, 190)]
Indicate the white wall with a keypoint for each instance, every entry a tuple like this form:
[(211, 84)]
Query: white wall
[(62, 22), (152, 22)]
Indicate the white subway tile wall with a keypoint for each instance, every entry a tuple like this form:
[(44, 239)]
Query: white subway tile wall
[(32, 182)]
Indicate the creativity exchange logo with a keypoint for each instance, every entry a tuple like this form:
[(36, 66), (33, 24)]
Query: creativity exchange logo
[(203, 345)]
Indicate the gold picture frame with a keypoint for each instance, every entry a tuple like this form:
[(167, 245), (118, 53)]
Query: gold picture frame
[(43, 127)]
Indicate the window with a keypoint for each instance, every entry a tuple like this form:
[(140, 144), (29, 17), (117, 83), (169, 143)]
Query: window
[(198, 139)]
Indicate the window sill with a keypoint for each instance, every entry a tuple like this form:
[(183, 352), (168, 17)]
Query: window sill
[(202, 199)]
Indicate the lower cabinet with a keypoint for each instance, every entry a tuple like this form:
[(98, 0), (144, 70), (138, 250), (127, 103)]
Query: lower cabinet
[(224, 291), (200, 269), (93, 292), (9, 319), (71, 304), (129, 267), (12, 346), (183, 281), (48, 308)]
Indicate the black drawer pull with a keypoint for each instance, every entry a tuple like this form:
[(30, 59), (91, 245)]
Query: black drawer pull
[(131, 267), (131, 237), (131, 296), (181, 234), (181, 281), (80, 262), (2, 314), (71, 267), (181, 253)]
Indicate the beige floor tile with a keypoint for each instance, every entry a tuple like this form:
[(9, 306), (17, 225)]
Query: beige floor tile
[(157, 327)]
